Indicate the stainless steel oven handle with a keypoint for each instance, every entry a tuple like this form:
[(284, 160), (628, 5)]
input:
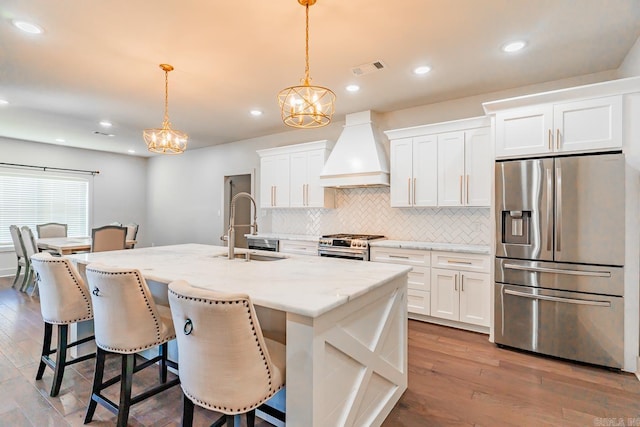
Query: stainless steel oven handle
[(558, 299), (558, 271)]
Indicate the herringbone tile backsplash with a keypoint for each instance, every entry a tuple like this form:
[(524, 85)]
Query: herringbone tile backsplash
[(367, 210)]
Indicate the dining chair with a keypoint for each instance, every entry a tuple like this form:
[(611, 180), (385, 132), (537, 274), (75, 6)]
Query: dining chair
[(126, 321), (108, 238), (132, 233), (64, 300), (226, 364), (23, 261), (30, 248), (51, 229)]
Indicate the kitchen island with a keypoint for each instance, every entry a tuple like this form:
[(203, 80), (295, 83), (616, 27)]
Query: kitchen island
[(344, 322)]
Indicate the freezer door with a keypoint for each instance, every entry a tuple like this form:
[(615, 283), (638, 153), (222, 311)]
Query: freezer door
[(524, 209), (572, 325), (590, 209)]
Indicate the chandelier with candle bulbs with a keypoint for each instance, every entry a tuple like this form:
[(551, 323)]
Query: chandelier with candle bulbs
[(166, 140), (306, 106)]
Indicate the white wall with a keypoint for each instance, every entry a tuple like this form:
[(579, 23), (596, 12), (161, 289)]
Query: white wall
[(119, 191), (631, 65)]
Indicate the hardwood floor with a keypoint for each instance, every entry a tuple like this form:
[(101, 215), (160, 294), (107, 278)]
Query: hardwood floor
[(455, 378)]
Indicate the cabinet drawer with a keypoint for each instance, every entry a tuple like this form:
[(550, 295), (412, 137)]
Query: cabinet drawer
[(300, 247), (419, 279), (419, 302), (401, 256), (461, 261)]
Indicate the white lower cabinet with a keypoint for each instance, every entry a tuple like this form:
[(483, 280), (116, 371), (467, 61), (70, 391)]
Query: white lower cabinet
[(419, 285), (460, 287), (300, 247)]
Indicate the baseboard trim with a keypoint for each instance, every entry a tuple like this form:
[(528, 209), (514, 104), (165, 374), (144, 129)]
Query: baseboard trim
[(450, 323), (638, 368)]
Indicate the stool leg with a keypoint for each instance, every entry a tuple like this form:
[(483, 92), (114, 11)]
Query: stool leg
[(97, 384), (46, 349), (251, 418), (17, 276), (187, 411), (163, 362), (61, 360), (126, 383)]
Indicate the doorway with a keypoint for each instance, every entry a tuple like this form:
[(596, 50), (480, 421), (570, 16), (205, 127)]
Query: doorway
[(233, 185)]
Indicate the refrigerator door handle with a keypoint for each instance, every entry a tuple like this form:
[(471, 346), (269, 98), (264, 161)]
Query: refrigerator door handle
[(559, 209), (558, 270), (558, 299), (549, 207)]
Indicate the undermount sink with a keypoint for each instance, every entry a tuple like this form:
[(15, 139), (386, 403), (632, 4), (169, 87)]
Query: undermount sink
[(253, 256)]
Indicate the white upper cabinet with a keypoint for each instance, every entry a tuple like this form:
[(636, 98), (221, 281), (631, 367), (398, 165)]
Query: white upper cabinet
[(414, 163), (586, 125), (274, 181), (290, 176), (443, 164), (451, 176)]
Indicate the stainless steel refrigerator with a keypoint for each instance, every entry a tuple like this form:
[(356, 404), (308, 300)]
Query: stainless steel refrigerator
[(559, 267)]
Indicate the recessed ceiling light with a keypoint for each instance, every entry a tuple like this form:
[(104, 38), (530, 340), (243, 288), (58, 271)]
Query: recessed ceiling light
[(424, 69), (60, 140), (131, 151), (4, 102), (514, 46), (106, 123), (353, 88), (27, 27), (255, 113), (110, 135)]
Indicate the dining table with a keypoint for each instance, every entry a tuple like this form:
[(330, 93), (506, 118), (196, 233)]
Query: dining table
[(69, 245)]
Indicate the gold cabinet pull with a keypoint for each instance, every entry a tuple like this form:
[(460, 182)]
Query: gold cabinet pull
[(409, 190), (467, 189), (550, 138), (558, 139), (414, 190), (461, 202)]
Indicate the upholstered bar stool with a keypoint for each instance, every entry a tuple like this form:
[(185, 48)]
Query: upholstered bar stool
[(64, 300), (226, 364), (126, 321)]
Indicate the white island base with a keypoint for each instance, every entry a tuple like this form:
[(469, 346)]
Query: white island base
[(344, 323)]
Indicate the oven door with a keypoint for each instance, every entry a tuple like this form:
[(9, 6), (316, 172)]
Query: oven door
[(572, 325), (348, 253)]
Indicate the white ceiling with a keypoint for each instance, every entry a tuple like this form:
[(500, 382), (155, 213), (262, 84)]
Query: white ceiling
[(99, 59)]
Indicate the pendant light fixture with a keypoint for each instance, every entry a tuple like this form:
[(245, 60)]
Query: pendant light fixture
[(306, 106), (166, 140)]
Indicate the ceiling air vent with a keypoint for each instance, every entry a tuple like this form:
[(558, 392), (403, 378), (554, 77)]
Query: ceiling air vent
[(368, 68)]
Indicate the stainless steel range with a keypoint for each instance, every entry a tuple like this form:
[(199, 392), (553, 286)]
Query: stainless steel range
[(351, 246)]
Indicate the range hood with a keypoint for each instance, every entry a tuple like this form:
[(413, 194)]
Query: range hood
[(358, 158)]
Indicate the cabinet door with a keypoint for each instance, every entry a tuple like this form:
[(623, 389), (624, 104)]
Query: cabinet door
[(268, 167), (524, 131), (298, 180), (316, 194), (475, 296), (424, 187), (444, 294), (588, 125), (401, 172), (479, 166), (451, 169), (281, 185), (418, 302)]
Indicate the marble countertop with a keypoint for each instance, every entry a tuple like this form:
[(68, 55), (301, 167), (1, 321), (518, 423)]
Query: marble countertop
[(309, 286), (284, 236), (449, 247)]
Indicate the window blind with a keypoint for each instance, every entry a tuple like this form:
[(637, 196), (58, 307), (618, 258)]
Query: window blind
[(28, 198)]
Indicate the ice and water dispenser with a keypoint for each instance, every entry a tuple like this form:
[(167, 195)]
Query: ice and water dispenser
[(516, 227)]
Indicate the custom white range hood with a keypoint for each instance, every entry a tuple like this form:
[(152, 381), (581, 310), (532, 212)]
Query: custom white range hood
[(358, 158)]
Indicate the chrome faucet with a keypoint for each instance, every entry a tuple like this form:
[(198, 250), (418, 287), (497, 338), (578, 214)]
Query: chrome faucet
[(231, 234)]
